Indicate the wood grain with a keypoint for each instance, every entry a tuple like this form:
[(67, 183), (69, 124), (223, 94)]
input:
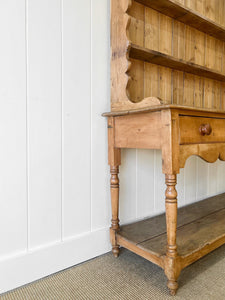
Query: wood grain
[(189, 130), (149, 228), (159, 58), (178, 87), (119, 63), (195, 220), (193, 236), (138, 131), (135, 32), (188, 16), (208, 152), (151, 71), (156, 43)]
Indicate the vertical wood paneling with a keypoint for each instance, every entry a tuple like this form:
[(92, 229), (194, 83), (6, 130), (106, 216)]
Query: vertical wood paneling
[(44, 114), (213, 178), (202, 176), (199, 91), (189, 44), (160, 187), (145, 183), (178, 87), (199, 48), (190, 174), (151, 31), (136, 71), (100, 101), (136, 32), (165, 46), (208, 92), (128, 186), (181, 188), (188, 97), (178, 40), (220, 175), (13, 210), (76, 117), (151, 71), (152, 80)]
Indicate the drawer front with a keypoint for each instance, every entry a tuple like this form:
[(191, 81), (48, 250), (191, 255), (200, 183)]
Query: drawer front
[(194, 130)]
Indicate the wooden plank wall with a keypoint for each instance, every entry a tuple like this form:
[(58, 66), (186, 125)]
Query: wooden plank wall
[(54, 177), (158, 32)]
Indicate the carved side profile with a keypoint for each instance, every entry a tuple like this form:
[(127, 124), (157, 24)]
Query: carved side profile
[(123, 70), (119, 44)]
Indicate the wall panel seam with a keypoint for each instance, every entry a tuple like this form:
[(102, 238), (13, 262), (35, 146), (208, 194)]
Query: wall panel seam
[(27, 124), (90, 113), (62, 130)]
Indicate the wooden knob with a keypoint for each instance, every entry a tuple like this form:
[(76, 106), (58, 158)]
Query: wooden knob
[(205, 129)]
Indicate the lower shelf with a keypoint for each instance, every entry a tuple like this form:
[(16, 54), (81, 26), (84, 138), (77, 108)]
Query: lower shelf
[(200, 230)]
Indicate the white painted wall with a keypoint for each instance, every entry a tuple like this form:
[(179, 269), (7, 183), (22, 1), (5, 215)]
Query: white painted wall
[(54, 178)]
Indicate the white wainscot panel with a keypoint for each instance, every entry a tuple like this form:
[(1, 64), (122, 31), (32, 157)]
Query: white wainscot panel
[(76, 117), (220, 177), (145, 183), (190, 180), (128, 197), (100, 102), (213, 179), (202, 179), (181, 188), (13, 198), (160, 185), (26, 267), (44, 115)]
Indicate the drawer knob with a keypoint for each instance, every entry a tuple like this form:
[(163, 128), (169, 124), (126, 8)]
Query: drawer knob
[(205, 129)]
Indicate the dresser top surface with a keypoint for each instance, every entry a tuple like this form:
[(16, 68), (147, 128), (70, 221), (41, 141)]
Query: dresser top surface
[(164, 107)]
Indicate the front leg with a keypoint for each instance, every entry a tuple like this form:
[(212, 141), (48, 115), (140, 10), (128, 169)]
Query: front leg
[(114, 186), (172, 264), (114, 156)]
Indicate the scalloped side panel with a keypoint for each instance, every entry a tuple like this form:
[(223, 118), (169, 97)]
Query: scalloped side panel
[(120, 21), (127, 77)]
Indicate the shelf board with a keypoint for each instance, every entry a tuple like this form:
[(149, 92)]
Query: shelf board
[(158, 58), (200, 226), (187, 16)]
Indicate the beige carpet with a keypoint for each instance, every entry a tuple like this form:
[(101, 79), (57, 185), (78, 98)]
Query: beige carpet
[(128, 277)]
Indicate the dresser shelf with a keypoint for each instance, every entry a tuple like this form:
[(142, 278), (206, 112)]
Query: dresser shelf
[(158, 58), (200, 229), (187, 16)]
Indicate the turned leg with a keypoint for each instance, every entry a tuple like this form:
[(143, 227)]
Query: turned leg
[(114, 186), (114, 162), (172, 266)]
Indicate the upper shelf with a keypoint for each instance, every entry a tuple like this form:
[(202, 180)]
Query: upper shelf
[(158, 58), (187, 16)]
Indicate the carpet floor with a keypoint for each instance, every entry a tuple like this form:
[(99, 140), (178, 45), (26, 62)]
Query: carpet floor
[(128, 277)]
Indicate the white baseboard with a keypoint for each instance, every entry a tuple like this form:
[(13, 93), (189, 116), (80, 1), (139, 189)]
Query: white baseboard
[(21, 269)]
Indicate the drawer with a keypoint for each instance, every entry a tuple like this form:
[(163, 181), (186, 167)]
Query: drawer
[(195, 130)]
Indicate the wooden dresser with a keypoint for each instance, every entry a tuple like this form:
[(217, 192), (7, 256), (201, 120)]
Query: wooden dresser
[(168, 93)]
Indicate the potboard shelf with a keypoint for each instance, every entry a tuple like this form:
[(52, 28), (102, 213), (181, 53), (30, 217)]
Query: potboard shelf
[(158, 58), (200, 226), (187, 16)]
